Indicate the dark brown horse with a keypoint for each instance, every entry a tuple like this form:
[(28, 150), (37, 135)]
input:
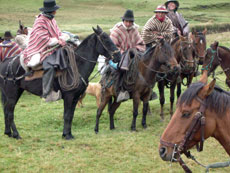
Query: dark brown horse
[(159, 60), (199, 44), (184, 55), (218, 55), (203, 111)]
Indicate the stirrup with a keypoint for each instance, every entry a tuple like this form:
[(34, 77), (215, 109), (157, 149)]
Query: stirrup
[(123, 96)]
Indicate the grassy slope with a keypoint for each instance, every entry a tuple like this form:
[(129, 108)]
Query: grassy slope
[(40, 124), (79, 16)]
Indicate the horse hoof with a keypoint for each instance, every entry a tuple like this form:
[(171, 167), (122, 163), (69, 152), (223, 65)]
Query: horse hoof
[(96, 131), (17, 137), (112, 128), (68, 137), (144, 126), (8, 134), (133, 129)]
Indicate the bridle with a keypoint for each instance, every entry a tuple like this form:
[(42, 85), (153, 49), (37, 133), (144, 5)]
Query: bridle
[(183, 63), (198, 123), (214, 54)]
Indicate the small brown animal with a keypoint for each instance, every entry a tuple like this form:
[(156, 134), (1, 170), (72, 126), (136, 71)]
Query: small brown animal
[(93, 89)]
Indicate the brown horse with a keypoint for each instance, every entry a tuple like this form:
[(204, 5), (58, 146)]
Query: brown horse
[(199, 44), (184, 55), (22, 29), (218, 55), (202, 111), (156, 60)]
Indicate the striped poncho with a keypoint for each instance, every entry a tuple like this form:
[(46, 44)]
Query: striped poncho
[(125, 39), (43, 30), (164, 28), (9, 49)]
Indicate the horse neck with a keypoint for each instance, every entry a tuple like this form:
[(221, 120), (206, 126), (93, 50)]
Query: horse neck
[(224, 59), (86, 52), (148, 67), (222, 132)]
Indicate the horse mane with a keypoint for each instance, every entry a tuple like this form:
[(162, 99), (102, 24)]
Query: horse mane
[(225, 48), (175, 40), (85, 41), (218, 101)]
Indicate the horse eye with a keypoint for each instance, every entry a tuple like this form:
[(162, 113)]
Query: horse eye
[(186, 114)]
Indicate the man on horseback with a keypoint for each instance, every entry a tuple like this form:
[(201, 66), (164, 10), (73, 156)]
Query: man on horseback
[(180, 25), (125, 36), (8, 48), (157, 27), (44, 35)]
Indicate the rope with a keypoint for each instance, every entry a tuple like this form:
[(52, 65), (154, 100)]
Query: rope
[(70, 73)]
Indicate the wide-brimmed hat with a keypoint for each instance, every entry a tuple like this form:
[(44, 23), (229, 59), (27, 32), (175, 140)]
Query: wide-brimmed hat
[(161, 9), (8, 35), (128, 16), (49, 6), (174, 1)]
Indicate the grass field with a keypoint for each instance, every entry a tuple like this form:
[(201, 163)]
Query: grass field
[(40, 124)]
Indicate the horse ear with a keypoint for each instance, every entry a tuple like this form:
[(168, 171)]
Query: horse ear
[(191, 37), (205, 31), (96, 31), (204, 77), (207, 89), (194, 31), (214, 45)]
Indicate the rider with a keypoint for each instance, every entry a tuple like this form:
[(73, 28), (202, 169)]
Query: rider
[(44, 35), (157, 27), (180, 25), (8, 48), (125, 36)]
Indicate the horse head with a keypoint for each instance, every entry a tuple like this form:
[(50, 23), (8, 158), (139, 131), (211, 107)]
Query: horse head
[(211, 60), (199, 44), (22, 29), (165, 57), (185, 53), (191, 123), (105, 45)]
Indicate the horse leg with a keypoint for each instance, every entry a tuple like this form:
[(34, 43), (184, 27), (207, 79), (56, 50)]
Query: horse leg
[(112, 109), (172, 89), (145, 111), (136, 100), (8, 108), (103, 103), (162, 98), (178, 89), (70, 102)]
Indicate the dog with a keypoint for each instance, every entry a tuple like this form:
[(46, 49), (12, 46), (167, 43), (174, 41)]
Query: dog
[(93, 89)]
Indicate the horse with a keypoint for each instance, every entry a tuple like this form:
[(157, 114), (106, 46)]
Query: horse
[(218, 55), (152, 62), (13, 85), (22, 29), (183, 49), (203, 111), (199, 44)]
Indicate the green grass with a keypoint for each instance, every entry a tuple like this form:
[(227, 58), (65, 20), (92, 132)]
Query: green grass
[(43, 150), (79, 16), (40, 124)]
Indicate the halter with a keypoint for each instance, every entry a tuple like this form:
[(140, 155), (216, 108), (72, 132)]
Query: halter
[(198, 122), (214, 52)]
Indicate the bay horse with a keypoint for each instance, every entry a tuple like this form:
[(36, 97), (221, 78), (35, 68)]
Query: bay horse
[(203, 111), (86, 56), (183, 49), (218, 55), (199, 44), (156, 60)]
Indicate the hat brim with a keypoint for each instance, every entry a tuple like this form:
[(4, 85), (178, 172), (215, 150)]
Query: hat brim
[(160, 11), (49, 9), (127, 19)]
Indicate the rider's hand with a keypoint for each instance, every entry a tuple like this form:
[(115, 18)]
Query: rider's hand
[(61, 42)]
